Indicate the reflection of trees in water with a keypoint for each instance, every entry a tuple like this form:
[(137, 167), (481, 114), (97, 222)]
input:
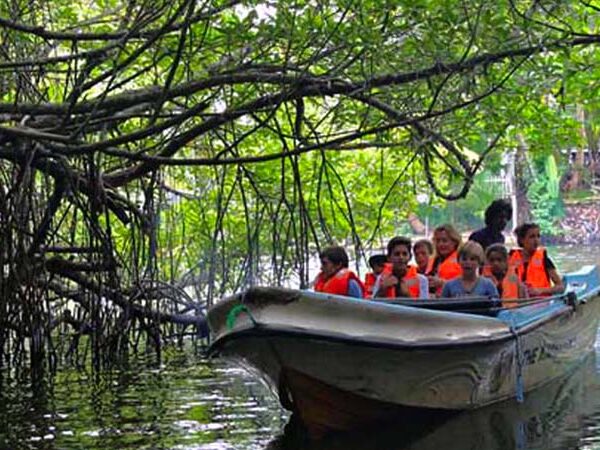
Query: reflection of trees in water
[(551, 417)]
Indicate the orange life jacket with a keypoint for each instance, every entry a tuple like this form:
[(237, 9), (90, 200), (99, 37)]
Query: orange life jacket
[(411, 280), (509, 285), (449, 268), (370, 279), (536, 275), (338, 283)]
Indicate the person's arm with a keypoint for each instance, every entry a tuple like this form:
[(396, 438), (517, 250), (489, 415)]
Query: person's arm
[(446, 291), (559, 285), (492, 290), (354, 289), (423, 286), (383, 283), (522, 289)]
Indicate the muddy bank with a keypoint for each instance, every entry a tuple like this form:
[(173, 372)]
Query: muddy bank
[(581, 224)]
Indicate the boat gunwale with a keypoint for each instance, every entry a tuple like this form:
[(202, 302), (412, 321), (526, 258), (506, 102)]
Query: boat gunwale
[(263, 330)]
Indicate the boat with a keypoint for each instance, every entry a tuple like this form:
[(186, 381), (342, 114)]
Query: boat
[(339, 363)]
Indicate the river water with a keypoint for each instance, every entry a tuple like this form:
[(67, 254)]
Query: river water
[(189, 403)]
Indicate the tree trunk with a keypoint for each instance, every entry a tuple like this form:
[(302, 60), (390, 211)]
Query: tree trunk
[(522, 175)]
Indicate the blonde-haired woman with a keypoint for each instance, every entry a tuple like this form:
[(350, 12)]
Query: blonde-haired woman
[(445, 267)]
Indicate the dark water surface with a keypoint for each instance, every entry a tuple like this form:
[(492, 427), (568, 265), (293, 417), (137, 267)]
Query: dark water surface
[(188, 403)]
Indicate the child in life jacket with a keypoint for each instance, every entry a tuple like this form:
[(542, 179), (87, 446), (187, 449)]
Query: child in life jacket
[(533, 265), (335, 277), (470, 284), (504, 276), (399, 278), (423, 254), (376, 262)]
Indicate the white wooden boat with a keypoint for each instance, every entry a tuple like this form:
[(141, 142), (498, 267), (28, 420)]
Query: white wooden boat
[(339, 362)]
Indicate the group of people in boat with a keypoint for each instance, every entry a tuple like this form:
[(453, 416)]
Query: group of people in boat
[(446, 267)]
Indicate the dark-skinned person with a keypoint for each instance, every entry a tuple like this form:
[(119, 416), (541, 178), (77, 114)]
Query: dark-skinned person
[(504, 277), (497, 215), (423, 254), (399, 278), (470, 284), (377, 263), (335, 277), (532, 263), (445, 267)]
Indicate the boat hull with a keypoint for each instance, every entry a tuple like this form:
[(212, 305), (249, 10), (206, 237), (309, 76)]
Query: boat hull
[(335, 380)]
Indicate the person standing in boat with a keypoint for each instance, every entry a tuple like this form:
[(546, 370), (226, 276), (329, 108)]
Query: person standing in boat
[(470, 284), (503, 276), (399, 278), (497, 215), (446, 241), (335, 277), (423, 253), (533, 265), (377, 263)]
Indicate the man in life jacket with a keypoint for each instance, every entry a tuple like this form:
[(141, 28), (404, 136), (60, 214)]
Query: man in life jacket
[(335, 277), (423, 253), (399, 279), (532, 263), (445, 267), (504, 276), (377, 262)]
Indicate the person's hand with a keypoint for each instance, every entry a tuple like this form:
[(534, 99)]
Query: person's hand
[(388, 281), (404, 292), (435, 282), (534, 292)]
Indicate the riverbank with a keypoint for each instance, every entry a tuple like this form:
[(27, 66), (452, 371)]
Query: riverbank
[(581, 224)]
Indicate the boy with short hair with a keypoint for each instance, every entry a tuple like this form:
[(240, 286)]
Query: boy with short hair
[(470, 284), (400, 279), (377, 263)]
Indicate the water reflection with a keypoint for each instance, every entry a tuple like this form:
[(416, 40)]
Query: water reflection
[(556, 416), (185, 403)]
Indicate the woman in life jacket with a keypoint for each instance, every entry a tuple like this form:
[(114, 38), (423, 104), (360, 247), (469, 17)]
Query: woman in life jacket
[(400, 279), (532, 263), (470, 284), (423, 252), (504, 276), (445, 266), (377, 263), (335, 277)]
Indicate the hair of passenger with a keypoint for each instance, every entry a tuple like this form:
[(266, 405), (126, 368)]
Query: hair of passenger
[(424, 243), (471, 248), (399, 240), (496, 248), (522, 230), (335, 254), (451, 231), (377, 260), (497, 207)]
